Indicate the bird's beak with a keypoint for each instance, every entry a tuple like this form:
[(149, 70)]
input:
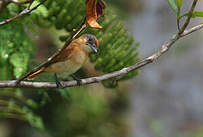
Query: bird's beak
[(93, 47)]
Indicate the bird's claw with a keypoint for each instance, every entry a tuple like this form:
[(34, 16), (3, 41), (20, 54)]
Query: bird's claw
[(79, 81), (58, 84)]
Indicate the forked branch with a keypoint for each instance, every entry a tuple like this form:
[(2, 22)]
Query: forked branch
[(22, 13)]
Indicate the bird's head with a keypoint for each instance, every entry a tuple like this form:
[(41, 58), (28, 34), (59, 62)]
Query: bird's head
[(91, 43)]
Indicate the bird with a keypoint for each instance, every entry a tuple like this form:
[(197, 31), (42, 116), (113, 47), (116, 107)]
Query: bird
[(71, 59)]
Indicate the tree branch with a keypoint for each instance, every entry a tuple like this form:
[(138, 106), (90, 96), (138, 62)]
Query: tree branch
[(140, 64), (20, 2), (189, 16), (22, 13)]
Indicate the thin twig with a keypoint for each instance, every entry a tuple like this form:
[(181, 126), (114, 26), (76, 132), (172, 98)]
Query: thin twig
[(178, 24), (30, 4), (22, 13), (189, 16), (20, 2), (142, 63)]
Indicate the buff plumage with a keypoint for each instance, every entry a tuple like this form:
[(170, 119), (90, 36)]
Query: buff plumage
[(72, 58)]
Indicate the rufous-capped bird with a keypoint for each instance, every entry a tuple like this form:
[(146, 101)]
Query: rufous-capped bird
[(71, 59)]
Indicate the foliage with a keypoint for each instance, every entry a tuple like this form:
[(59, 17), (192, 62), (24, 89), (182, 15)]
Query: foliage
[(176, 6), (17, 50), (196, 14), (88, 115)]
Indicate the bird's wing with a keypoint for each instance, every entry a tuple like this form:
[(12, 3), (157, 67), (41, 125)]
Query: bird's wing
[(65, 54)]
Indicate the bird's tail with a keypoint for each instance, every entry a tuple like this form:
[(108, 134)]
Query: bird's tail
[(34, 75)]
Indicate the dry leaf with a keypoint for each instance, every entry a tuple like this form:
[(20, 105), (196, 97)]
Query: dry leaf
[(100, 9), (94, 10)]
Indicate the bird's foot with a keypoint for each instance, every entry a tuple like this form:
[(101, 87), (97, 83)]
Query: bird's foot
[(58, 83), (79, 81)]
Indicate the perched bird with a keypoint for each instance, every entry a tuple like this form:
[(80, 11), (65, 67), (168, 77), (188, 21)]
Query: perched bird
[(71, 59)]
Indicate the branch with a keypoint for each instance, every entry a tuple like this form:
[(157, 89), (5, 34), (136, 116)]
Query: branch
[(189, 17), (142, 63), (22, 13), (20, 2)]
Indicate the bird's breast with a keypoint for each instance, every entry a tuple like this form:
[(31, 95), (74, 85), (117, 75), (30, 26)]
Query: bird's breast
[(70, 65), (80, 57)]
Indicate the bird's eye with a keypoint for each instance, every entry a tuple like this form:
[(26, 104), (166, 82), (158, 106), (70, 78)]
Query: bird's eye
[(90, 40)]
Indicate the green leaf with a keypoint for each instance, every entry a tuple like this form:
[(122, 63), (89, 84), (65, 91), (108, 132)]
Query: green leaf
[(19, 62), (41, 10), (176, 6), (173, 5), (195, 14), (33, 119), (179, 4), (13, 9)]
